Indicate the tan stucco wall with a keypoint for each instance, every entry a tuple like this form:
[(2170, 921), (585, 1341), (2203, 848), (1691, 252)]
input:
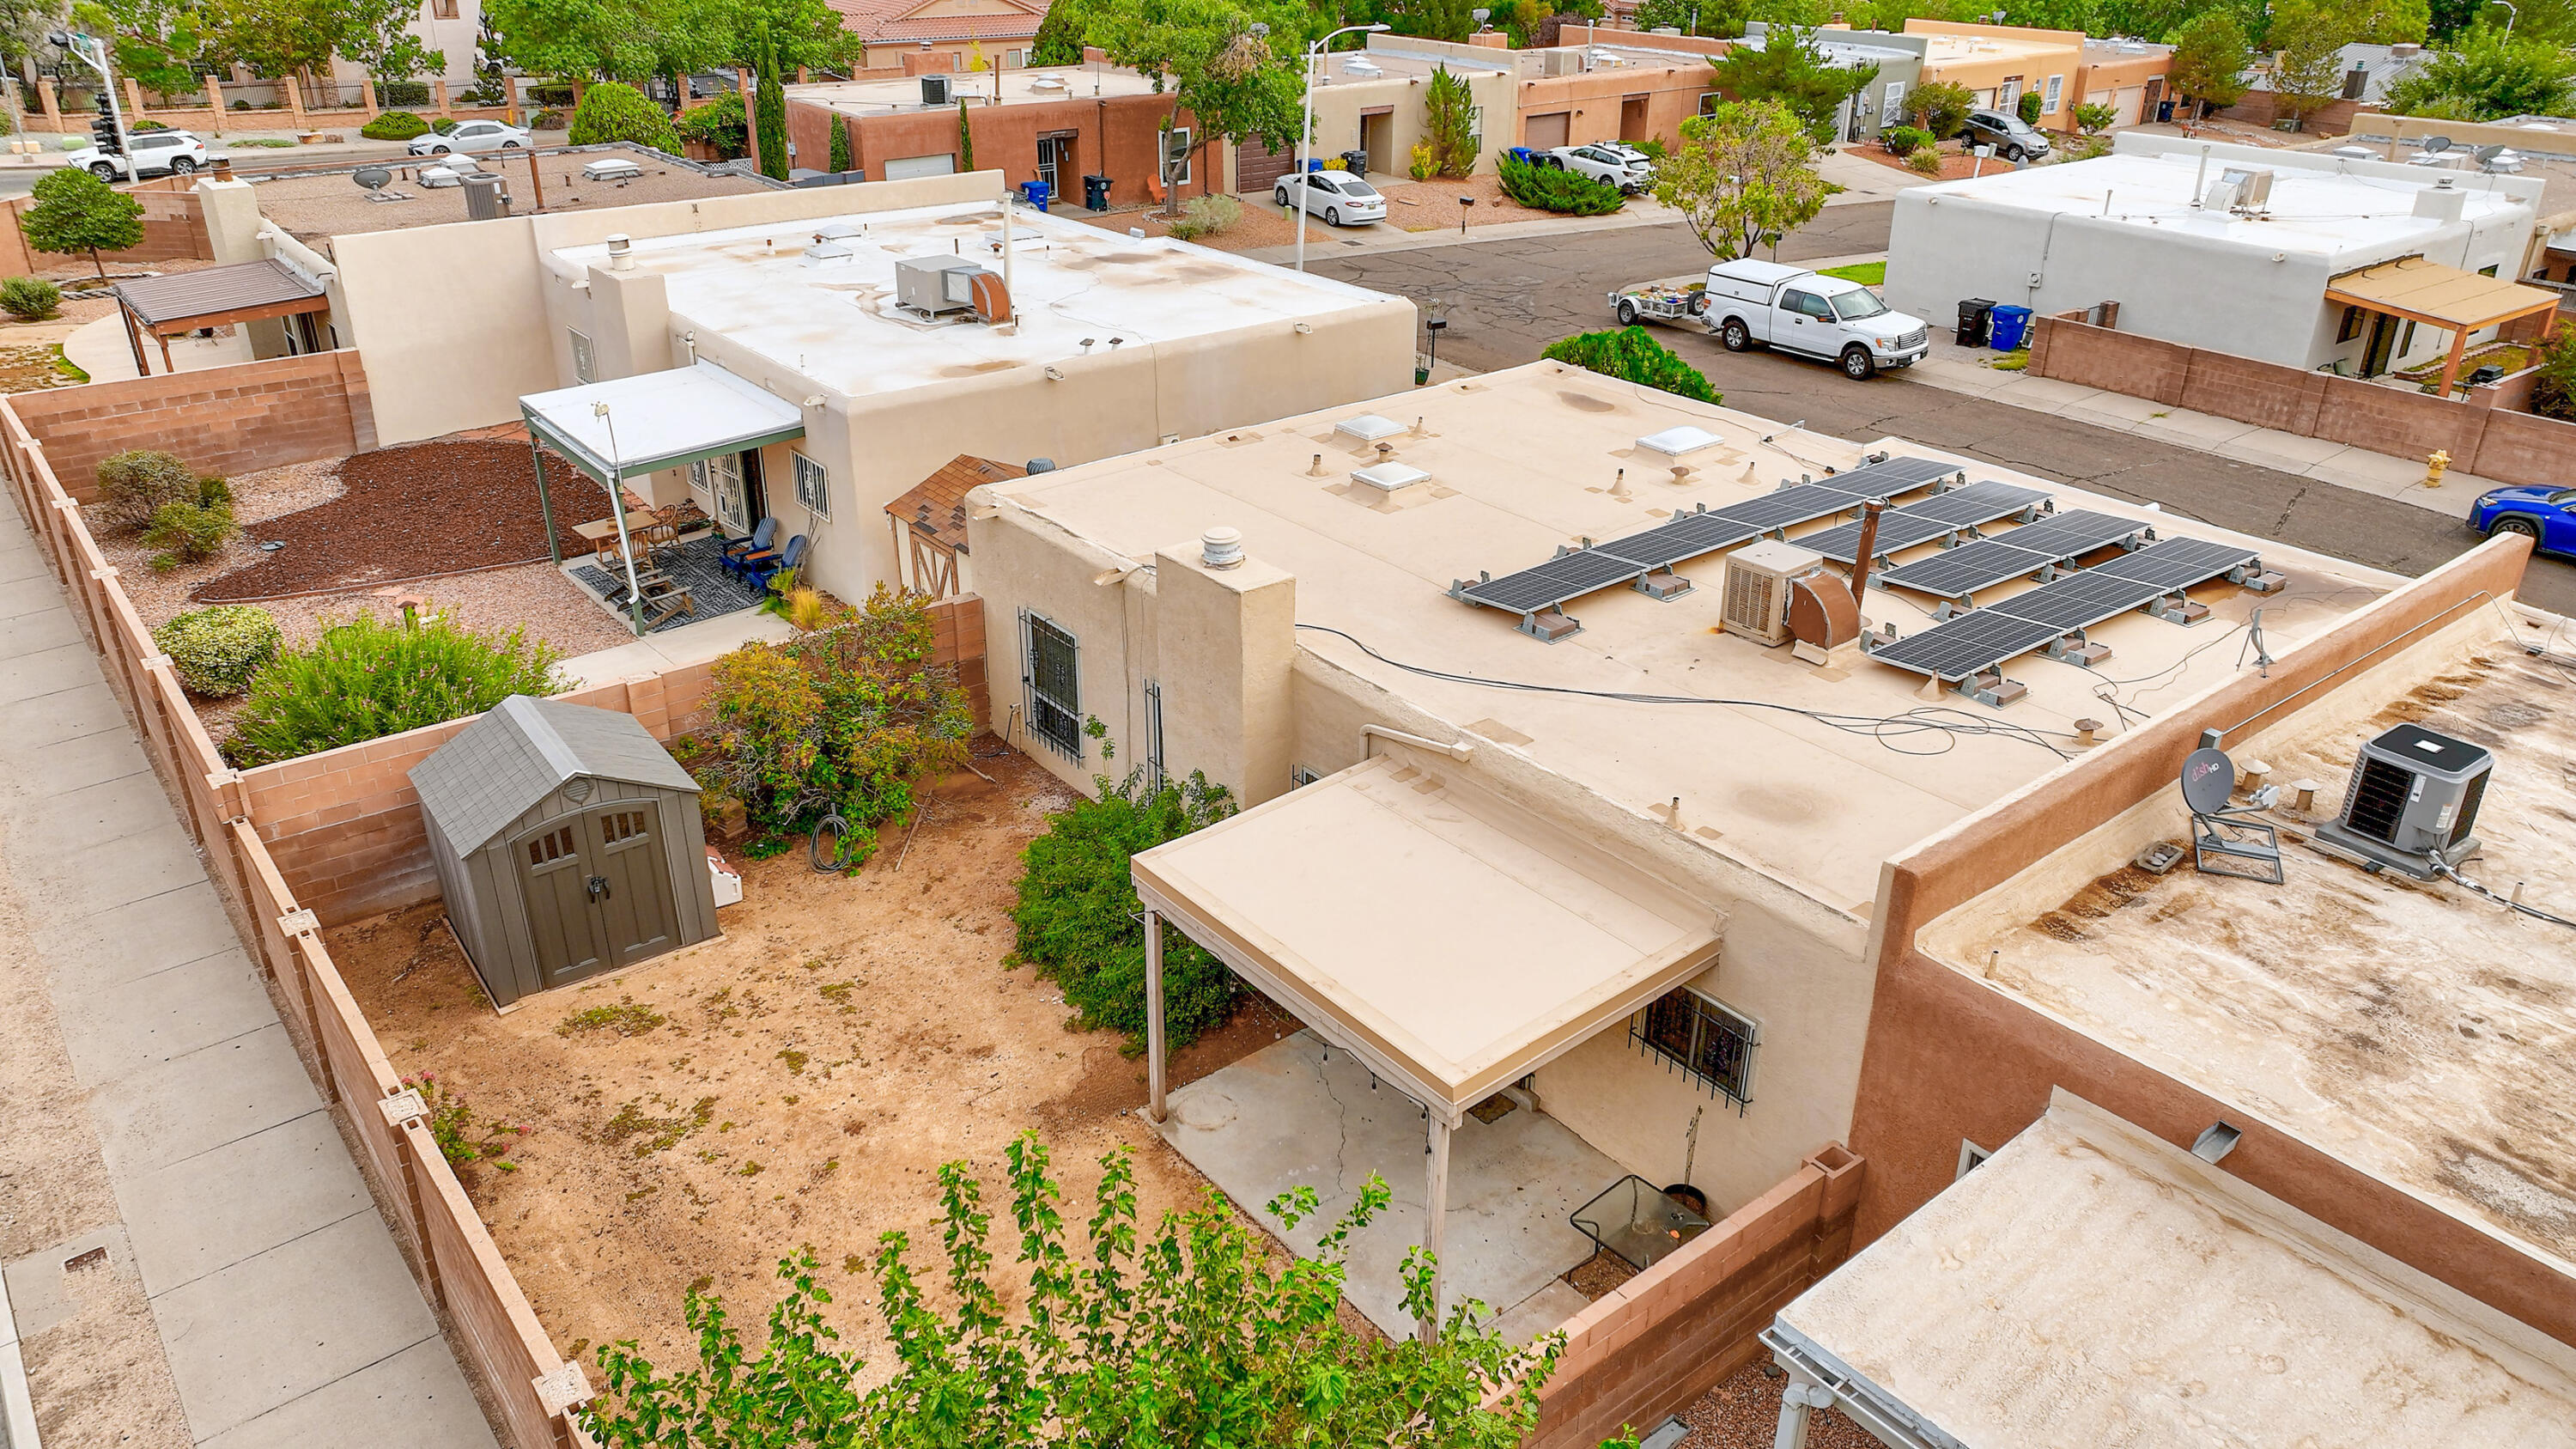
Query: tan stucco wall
[(1340, 104)]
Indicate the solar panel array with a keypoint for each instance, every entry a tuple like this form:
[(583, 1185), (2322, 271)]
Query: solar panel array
[(1938, 516), (1981, 639), (2026, 550)]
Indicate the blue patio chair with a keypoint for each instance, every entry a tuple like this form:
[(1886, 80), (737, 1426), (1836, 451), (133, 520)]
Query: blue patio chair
[(760, 568), (760, 541)]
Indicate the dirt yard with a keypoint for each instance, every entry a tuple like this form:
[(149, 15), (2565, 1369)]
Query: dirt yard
[(798, 1081)]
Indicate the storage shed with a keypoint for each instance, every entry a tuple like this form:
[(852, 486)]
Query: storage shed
[(567, 842)]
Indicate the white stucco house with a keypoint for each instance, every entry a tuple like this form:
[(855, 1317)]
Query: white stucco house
[(2282, 256)]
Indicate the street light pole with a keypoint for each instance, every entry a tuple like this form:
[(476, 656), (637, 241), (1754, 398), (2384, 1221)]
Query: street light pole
[(2512, 13), (1306, 128)]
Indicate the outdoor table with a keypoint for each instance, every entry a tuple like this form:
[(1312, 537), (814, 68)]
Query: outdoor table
[(1637, 1222)]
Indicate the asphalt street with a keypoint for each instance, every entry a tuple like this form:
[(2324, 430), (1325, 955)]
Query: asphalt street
[(1507, 300)]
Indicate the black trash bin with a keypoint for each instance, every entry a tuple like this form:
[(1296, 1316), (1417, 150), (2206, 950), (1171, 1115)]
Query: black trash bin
[(1975, 315), (1356, 161), (1095, 193)]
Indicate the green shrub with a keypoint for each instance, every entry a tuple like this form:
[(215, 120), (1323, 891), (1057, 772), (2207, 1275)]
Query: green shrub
[(1629, 353), (551, 93), (269, 141), (1551, 188), (402, 93), (2028, 108), (1926, 161), (394, 126), (610, 112), (217, 650), (30, 299), (147, 125), (549, 119), (189, 532), (1077, 911), (365, 679), (1904, 140), (133, 485), (2094, 116), (2553, 388), (1423, 162), (443, 125), (1206, 216)]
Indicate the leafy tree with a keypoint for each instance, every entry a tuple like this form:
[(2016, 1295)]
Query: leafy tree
[(2489, 77), (1941, 107), (1630, 354), (2209, 61), (2553, 389), (77, 212), (365, 679), (614, 111), (626, 40), (842, 158), (294, 37), (2093, 118), (719, 123), (769, 113), (1193, 1335), (1451, 20), (806, 33), (1691, 17), (1235, 81), (1789, 67), (1743, 172), (1059, 38), (1451, 121), (154, 40), (2307, 40), (2383, 22)]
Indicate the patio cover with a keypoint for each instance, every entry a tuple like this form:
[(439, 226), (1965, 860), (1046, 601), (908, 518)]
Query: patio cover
[(165, 306), (1454, 942), (2426, 291), (659, 420), (2093, 1284)]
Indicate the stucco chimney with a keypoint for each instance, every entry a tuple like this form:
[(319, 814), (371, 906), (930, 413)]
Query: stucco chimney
[(1221, 548), (1231, 630)]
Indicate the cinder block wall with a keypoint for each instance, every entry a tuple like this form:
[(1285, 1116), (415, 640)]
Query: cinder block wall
[(224, 420), (174, 229)]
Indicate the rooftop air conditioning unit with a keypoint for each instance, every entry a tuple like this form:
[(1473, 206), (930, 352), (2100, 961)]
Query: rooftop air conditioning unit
[(935, 286), (934, 90), (1756, 603), (2253, 185), (2412, 802)]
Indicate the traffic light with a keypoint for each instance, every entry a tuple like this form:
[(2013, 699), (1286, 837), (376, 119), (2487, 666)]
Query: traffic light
[(104, 129)]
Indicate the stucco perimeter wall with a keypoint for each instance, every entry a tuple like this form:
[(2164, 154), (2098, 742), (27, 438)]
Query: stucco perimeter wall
[(344, 826), (224, 420), (465, 359), (174, 229), (1680, 1328), (1950, 1058), (2481, 435)]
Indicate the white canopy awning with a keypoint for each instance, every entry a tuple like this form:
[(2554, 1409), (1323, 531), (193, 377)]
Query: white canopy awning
[(1453, 941), (658, 420)]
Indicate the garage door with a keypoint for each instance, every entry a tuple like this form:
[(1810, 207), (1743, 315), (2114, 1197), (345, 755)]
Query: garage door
[(2126, 107), (1256, 165), (1546, 133), (904, 168)]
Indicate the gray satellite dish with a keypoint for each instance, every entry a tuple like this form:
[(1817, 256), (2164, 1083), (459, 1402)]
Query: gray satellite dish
[(2208, 780), (2436, 145), (373, 178)]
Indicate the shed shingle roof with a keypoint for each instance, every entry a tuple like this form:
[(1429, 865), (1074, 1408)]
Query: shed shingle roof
[(519, 752), (936, 507)]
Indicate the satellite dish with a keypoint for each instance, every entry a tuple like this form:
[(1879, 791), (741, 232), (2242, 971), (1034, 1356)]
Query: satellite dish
[(372, 178), (2208, 779), (2436, 145), (2485, 154)]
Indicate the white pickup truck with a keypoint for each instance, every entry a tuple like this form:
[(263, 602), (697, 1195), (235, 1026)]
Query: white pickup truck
[(1753, 304)]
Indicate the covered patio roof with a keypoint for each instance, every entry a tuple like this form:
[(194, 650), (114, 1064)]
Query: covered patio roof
[(1454, 942), (2421, 290), (657, 420), (165, 306)]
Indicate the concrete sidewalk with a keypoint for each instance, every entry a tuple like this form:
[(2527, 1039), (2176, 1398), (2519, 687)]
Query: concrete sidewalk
[(191, 1254)]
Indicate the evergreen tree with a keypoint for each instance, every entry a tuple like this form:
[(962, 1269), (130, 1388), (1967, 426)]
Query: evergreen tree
[(965, 138), (769, 112), (841, 157), (1790, 68), (2210, 56), (1059, 40)]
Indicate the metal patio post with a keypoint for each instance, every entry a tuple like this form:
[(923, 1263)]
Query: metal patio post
[(545, 503), (1154, 1017), (617, 500)]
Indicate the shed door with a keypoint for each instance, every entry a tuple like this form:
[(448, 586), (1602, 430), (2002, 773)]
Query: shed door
[(598, 890), (554, 862), (635, 902)]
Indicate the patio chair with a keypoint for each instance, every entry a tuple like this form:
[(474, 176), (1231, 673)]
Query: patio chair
[(760, 541), (759, 569)]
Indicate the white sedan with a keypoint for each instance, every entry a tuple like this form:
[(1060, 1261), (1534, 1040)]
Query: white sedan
[(1340, 198), (471, 136)]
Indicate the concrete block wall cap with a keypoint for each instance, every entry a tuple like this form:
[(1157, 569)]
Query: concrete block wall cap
[(403, 1107), (563, 1388), (298, 922)]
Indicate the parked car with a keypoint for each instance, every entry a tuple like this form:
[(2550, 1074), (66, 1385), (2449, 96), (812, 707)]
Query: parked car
[(1753, 304), (2545, 515), (471, 136), (1607, 162), (2013, 138), (148, 153), (1339, 197)]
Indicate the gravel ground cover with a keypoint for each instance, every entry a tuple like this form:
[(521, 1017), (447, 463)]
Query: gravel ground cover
[(1744, 1413)]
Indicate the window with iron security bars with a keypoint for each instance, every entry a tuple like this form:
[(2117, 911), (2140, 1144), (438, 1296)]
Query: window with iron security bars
[(813, 487), (1710, 1042), (1154, 776), (1050, 673)]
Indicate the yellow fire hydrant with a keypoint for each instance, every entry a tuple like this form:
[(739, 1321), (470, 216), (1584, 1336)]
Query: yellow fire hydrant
[(2435, 466)]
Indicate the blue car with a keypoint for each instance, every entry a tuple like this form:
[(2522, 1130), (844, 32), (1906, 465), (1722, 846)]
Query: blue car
[(2547, 516)]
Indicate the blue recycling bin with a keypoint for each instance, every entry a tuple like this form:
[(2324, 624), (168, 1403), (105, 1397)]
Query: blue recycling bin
[(1034, 193), (2011, 324)]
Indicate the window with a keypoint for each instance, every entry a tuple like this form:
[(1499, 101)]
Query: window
[(443, 9), (2350, 327), (621, 825), (553, 845), (1859, 305), (1050, 664), (2048, 97), (698, 478), (1701, 1036), (1176, 144), (1299, 777), (1154, 777), (1708, 103), (1893, 108), (584, 365), (1806, 303), (813, 487), (1971, 1157)]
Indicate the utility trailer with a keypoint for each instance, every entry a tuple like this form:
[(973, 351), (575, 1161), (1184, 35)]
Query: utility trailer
[(1661, 304)]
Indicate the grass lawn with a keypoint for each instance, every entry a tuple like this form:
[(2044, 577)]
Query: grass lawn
[(1868, 274)]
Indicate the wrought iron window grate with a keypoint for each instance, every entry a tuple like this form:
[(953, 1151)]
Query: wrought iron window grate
[(1711, 1043)]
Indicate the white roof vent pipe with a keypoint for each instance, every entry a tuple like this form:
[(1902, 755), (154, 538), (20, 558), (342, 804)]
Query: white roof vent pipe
[(621, 253), (1221, 548)]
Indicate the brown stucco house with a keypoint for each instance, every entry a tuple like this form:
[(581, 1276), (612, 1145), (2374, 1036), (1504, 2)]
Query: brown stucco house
[(953, 29)]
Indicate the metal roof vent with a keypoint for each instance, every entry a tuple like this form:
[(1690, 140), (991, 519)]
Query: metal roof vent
[(1046, 83), (826, 251), (1221, 548), (1368, 427), (1674, 442), (837, 231), (1356, 66), (1390, 477)]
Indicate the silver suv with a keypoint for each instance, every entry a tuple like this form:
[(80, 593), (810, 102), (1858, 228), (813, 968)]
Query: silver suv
[(147, 153)]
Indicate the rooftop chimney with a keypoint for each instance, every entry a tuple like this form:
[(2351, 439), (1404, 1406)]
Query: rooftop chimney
[(1221, 548), (621, 252)]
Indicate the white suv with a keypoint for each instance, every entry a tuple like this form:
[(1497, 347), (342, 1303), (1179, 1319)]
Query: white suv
[(1607, 162), (148, 153)]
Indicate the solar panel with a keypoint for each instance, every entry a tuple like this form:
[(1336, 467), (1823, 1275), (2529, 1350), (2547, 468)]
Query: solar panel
[(1969, 644), (1977, 503), (1895, 476), (1956, 573), (2178, 563), (2077, 600), (1567, 576), (1897, 529), (2073, 534), (1686, 537), (1800, 503)]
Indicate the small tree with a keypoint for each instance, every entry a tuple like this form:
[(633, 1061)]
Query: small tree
[(1630, 354), (2553, 388), (2307, 59), (1234, 81), (769, 112), (1745, 171), (965, 137), (2093, 118), (77, 212), (718, 124), (1941, 107), (841, 156), (1789, 67), (612, 111), (2209, 60), (1450, 118), (2028, 108), (2489, 77), (1059, 38)]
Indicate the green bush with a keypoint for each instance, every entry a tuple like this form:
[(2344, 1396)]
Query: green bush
[(1206, 216), (1550, 188), (2553, 389), (2028, 108), (30, 299), (133, 485), (402, 93), (610, 111), (549, 119), (1926, 161), (1629, 353), (443, 125), (552, 93), (720, 123), (1904, 140), (189, 532), (394, 126), (366, 679), (1077, 911), (217, 650)]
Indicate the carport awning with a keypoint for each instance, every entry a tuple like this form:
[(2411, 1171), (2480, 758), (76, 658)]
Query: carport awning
[(1454, 942), (658, 420), (2439, 296)]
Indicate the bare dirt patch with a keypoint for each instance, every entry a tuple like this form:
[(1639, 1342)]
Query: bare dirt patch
[(808, 1074)]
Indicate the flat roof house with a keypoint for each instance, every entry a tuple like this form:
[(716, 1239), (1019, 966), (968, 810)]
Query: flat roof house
[(2282, 256), (1631, 876)]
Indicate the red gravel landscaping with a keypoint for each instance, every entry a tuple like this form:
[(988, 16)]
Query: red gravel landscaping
[(414, 512)]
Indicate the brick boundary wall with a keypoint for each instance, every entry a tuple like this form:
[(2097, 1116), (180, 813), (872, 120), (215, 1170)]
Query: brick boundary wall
[(523, 1383), (174, 229), (1686, 1325), (228, 420), (344, 826), (2481, 436)]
